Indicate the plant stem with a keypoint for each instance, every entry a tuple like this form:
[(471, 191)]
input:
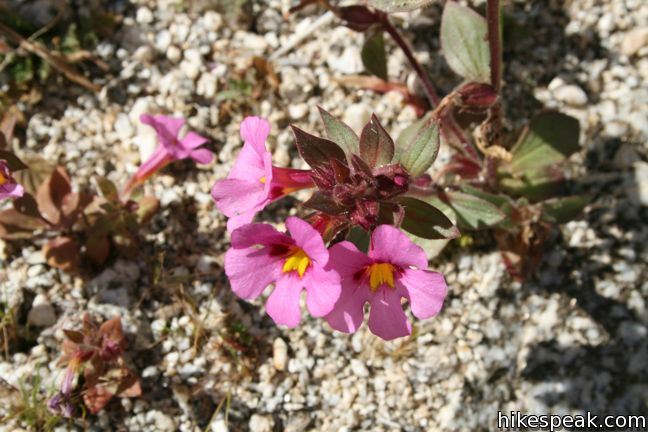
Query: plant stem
[(404, 46)]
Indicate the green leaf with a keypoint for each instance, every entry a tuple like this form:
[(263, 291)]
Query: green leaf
[(339, 132), (563, 210), (376, 146), (399, 5), (424, 220), (317, 151), (473, 212), (464, 42), (550, 138), (502, 202), (373, 54), (419, 153), (108, 189), (536, 186), (360, 238)]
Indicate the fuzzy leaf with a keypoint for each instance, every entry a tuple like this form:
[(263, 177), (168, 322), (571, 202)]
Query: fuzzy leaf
[(464, 42), (339, 132), (317, 151), (399, 5), (418, 154), (550, 138), (373, 54), (62, 253), (424, 220), (563, 210), (376, 146), (472, 212)]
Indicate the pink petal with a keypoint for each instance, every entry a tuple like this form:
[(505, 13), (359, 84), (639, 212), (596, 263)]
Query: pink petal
[(250, 271), (11, 190), (389, 244), (248, 165), (202, 156), (236, 222), (158, 160), (307, 238), (192, 140), (234, 197), (348, 312), (425, 291), (258, 234), (283, 303), (255, 130), (346, 259), (167, 127), (322, 290), (386, 317)]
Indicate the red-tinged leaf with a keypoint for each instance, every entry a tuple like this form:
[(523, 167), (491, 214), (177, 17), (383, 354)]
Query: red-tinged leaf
[(72, 206), (16, 225), (39, 170), (376, 146), (74, 336), (317, 151), (339, 132), (374, 57), (112, 329), (147, 207), (27, 205), (13, 162), (97, 248), (62, 253), (96, 398), (51, 194), (426, 221), (324, 203), (358, 18)]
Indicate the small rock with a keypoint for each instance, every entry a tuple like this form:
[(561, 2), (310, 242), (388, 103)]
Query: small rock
[(356, 116), (174, 54), (359, 369), (163, 41), (161, 421), (298, 111), (259, 423), (348, 63), (571, 95), (279, 354), (219, 425), (123, 127), (144, 15), (641, 178), (634, 40), (42, 312)]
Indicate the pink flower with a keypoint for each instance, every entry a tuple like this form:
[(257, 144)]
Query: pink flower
[(395, 268), (170, 148), (8, 186), (253, 181), (260, 255)]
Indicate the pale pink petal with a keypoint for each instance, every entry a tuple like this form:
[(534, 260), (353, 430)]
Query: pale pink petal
[(234, 197), (322, 290), (386, 317), (255, 130), (307, 238), (248, 165), (192, 140), (236, 222), (425, 291), (202, 156), (283, 303), (258, 234), (389, 244), (348, 312), (346, 259), (11, 190)]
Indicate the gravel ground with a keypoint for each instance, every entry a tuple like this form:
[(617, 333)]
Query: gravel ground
[(571, 340)]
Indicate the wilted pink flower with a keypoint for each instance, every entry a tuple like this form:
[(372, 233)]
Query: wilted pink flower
[(260, 255), (8, 186), (395, 268), (253, 181), (170, 147)]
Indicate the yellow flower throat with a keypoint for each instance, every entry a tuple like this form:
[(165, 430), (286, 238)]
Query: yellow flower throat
[(379, 274), (3, 179), (296, 260)]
